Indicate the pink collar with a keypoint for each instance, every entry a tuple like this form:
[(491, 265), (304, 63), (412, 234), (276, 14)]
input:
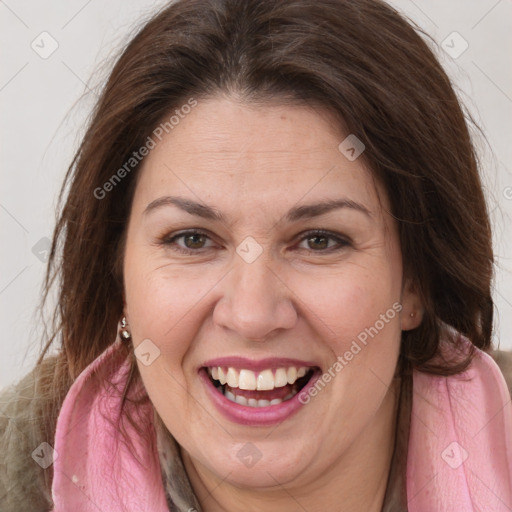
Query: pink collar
[(460, 442), (93, 469), (459, 453)]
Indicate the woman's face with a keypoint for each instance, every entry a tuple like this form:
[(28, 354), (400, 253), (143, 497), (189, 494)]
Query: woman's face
[(225, 275)]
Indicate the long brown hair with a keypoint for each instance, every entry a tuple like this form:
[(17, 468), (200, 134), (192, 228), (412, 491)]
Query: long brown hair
[(361, 60)]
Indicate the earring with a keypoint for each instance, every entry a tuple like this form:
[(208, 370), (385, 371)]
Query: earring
[(412, 315), (124, 333)]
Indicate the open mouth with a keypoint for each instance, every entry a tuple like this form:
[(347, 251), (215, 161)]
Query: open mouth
[(259, 389)]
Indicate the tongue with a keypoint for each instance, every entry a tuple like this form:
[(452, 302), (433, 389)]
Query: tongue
[(263, 395)]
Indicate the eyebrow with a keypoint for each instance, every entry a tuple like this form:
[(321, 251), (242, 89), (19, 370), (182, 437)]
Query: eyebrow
[(302, 212)]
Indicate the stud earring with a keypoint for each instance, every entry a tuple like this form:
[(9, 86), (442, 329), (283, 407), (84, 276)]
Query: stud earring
[(412, 315), (124, 333)]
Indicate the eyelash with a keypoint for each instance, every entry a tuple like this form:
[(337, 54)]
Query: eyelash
[(171, 242)]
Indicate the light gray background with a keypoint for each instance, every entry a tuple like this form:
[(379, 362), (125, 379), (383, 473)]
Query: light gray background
[(42, 121)]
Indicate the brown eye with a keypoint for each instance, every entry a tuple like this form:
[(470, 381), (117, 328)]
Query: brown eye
[(194, 240), (320, 241)]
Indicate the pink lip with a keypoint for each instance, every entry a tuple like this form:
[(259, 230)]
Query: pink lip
[(252, 416), (262, 364)]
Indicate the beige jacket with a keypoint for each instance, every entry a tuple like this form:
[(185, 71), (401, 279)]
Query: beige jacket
[(24, 485)]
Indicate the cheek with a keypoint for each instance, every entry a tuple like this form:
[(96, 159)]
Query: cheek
[(159, 305), (356, 313), (349, 302)]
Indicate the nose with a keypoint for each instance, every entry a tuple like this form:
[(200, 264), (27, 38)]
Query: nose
[(256, 301)]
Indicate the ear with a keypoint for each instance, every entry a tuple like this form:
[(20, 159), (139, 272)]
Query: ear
[(412, 307)]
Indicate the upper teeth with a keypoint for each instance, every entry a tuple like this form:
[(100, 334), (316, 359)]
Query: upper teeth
[(261, 381)]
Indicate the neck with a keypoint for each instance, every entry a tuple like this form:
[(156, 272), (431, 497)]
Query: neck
[(356, 482)]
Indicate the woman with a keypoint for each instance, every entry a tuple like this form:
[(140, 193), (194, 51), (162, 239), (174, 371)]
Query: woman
[(275, 280)]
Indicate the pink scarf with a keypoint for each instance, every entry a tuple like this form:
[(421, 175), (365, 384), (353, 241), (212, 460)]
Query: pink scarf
[(460, 442), (459, 454)]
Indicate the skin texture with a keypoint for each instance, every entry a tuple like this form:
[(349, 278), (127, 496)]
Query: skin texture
[(298, 299)]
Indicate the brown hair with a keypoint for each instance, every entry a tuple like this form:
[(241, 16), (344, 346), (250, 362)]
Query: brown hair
[(361, 60)]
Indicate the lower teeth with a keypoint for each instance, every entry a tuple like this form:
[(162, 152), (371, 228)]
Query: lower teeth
[(252, 402)]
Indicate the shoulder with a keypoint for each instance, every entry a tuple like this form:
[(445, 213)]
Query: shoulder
[(25, 484), (503, 359)]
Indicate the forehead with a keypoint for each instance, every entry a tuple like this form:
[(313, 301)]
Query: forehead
[(254, 156)]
